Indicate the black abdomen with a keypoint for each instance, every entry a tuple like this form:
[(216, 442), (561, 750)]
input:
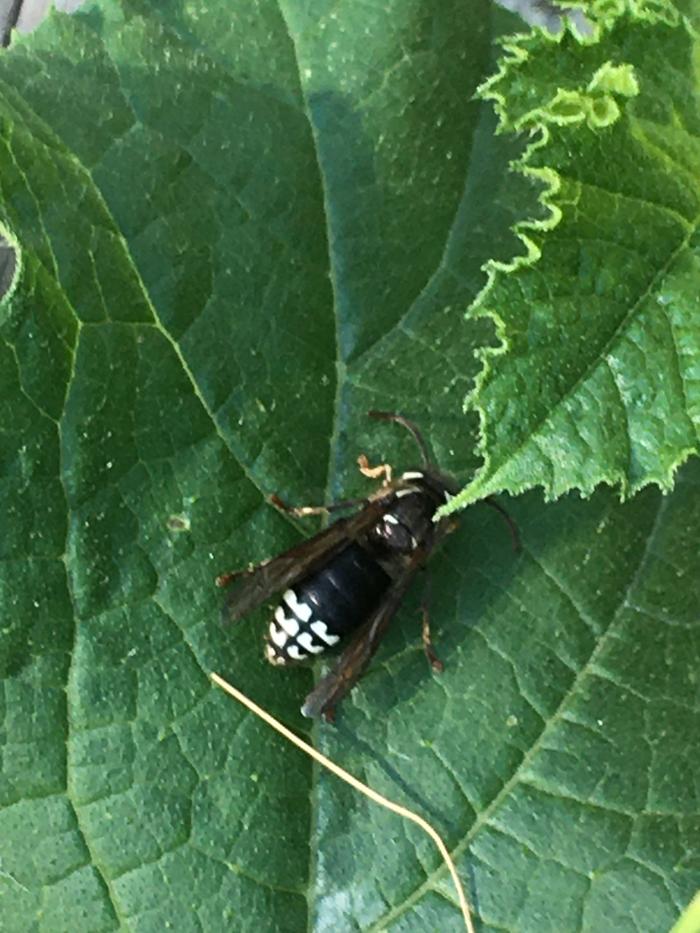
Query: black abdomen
[(326, 605)]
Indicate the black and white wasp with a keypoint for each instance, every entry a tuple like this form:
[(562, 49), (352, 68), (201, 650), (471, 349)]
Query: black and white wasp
[(350, 577)]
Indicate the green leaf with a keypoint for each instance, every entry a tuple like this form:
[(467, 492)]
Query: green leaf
[(596, 379), (554, 752), (237, 231)]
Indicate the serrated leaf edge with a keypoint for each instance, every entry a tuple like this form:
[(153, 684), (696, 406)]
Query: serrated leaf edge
[(603, 15)]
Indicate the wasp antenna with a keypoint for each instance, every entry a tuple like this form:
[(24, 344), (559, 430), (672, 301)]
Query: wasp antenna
[(515, 535), (410, 426)]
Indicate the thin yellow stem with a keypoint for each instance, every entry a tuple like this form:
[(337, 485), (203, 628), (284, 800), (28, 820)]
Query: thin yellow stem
[(358, 785)]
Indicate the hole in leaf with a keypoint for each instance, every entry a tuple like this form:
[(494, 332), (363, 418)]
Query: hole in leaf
[(8, 267)]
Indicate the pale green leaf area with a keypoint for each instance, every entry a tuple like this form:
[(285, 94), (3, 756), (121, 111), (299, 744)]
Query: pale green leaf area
[(598, 376), (689, 922), (238, 229)]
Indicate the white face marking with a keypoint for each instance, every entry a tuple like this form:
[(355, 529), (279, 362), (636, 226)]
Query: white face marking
[(415, 474), (277, 635), (300, 610), (391, 520), (320, 629), (305, 641), (294, 652), (291, 626)]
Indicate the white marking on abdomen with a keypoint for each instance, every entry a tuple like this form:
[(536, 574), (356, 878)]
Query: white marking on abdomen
[(406, 492), (391, 520), (320, 630), (277, 635), (306, 642), (300, 610), (272, 655), (412, 475), (293, 652), (291, 626)]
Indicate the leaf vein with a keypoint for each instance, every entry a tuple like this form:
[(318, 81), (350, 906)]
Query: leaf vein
[(588, 369), (484, 818)]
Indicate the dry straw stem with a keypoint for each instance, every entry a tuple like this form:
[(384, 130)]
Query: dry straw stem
[(357, 785)]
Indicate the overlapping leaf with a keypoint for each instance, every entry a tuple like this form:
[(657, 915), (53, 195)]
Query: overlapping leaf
[(597, 376)]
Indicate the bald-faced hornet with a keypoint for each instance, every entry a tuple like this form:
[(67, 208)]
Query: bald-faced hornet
[(350, 577)]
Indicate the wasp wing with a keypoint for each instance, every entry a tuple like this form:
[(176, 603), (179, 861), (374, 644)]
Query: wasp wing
[(331, 689), (254, 586), (342, 678)]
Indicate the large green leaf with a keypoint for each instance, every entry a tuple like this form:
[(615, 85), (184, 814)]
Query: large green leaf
[(237, 231), (596, 379)]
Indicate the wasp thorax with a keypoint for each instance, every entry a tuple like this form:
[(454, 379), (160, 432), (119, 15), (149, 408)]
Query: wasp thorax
[(408, 524), (393, 534)]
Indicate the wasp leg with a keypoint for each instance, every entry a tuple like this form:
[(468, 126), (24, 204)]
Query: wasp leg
[(301, 510), (225, 578), (433, 660), (513, 528), (383, 469)]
